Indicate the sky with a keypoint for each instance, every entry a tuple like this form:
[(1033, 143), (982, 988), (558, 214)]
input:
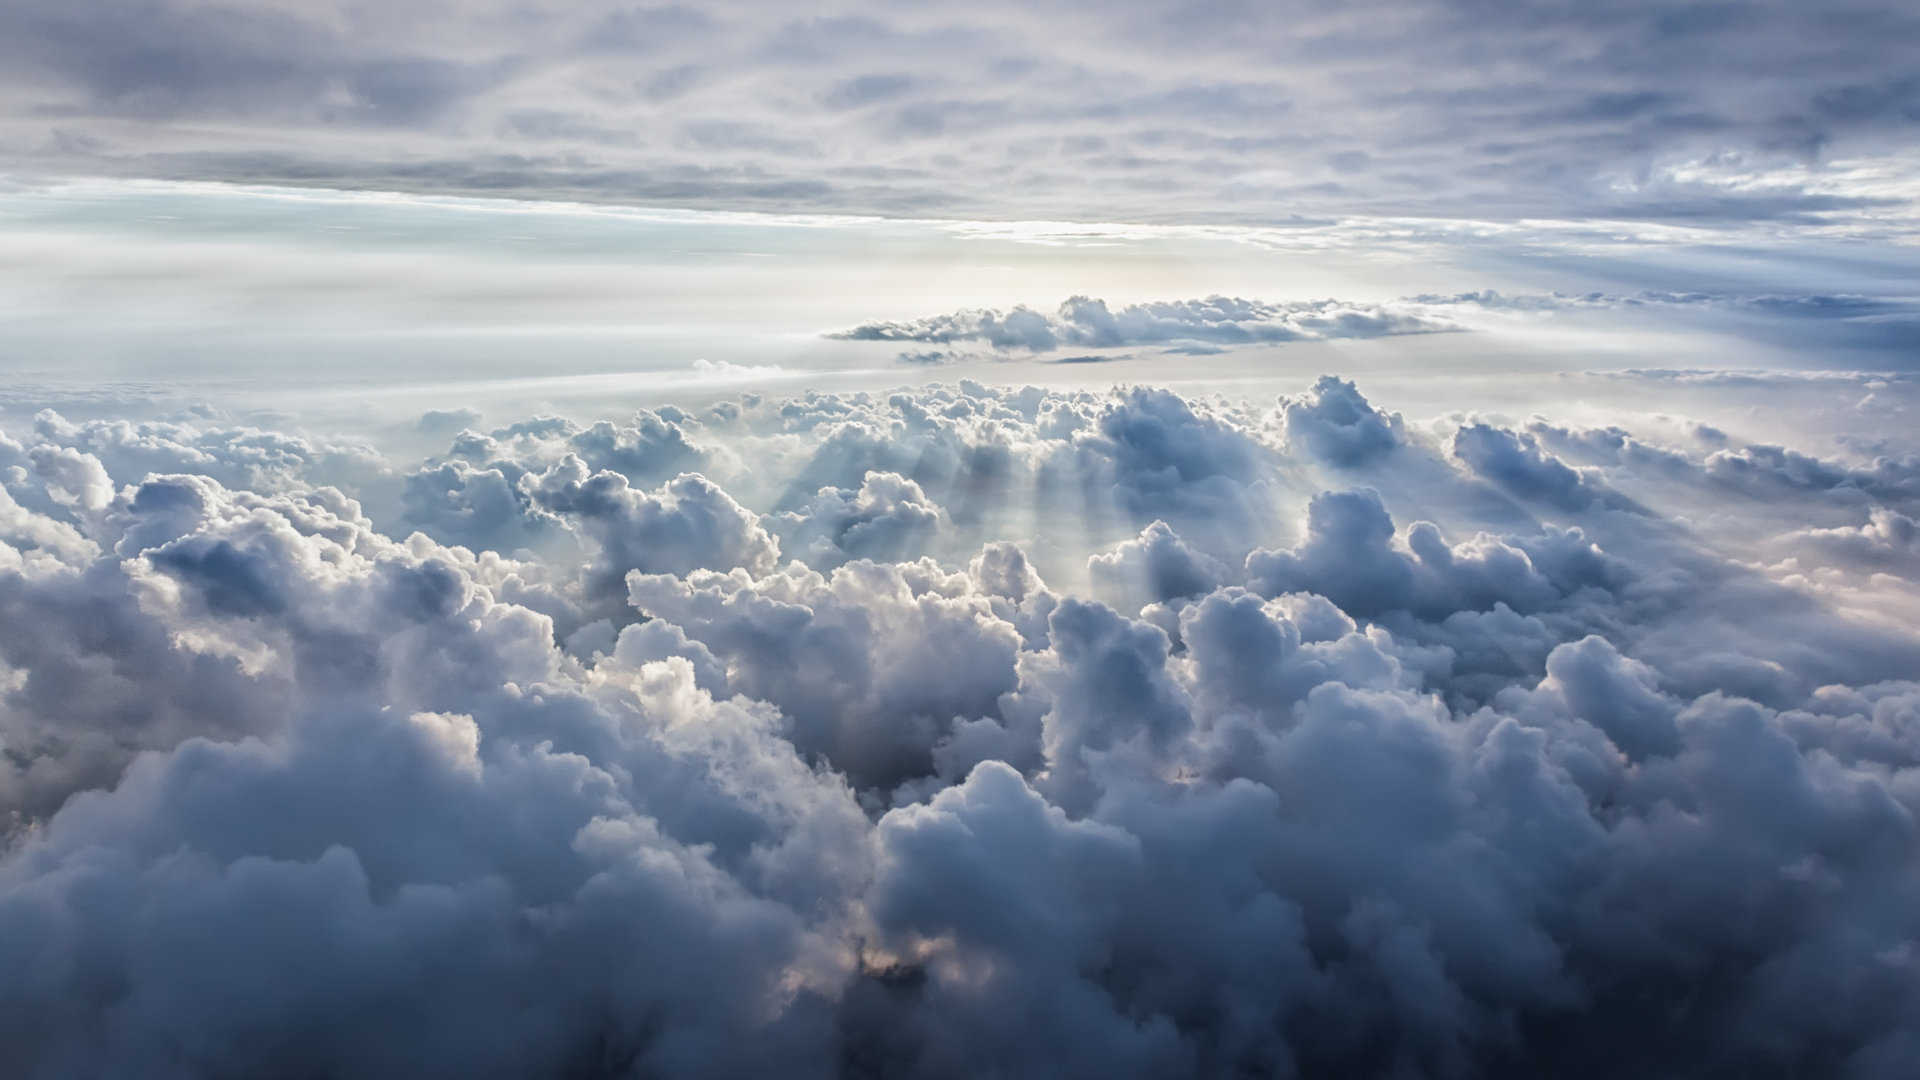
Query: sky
[(1031, 540), (1739, 113)]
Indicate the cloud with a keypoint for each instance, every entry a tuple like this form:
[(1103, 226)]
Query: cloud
[(1156, 566), (1870, 331), (1889, 541), (687, 524), (1334, 423), (742, 771), (889, 518), (1883, 327), (1349, 555), (1085, 322), (446, 421), (1767, 113), (1515, 462)]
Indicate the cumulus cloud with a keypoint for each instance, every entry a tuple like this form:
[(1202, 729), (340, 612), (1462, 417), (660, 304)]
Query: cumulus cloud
[(1156, 566), (687, 523), (1352, 556), (1889, 541), (890, 517), (1515, 461), (1088, 323), (754, 740), (1334, 423), (873, 664), (1870, 331)]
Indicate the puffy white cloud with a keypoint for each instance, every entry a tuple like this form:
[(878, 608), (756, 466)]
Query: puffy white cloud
[(873, 664), (1888, 542), (1514, 461), (687, 523), (890, 517), (1335, 424), (481, 508), (1155, 566), (1477, 796), (1768, 471), (1350, 555), (437, 860), (239, 457)]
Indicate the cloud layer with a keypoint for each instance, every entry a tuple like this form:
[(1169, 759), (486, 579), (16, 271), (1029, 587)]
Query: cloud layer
[(1087, 323), (1880, 331), (958, 731), (1757, 110)]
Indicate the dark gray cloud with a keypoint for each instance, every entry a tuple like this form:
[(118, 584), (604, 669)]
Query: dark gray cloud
[(799, 765), (1760, 110)]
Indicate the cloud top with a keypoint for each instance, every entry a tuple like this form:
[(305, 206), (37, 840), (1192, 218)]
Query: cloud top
[(1086, 323), (954, 731)]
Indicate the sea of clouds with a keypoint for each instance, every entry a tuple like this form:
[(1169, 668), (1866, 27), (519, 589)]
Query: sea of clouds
[(959, 731)]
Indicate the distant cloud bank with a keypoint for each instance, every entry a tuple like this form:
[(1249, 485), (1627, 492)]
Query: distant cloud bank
[(1889, 325), (1087, 323)]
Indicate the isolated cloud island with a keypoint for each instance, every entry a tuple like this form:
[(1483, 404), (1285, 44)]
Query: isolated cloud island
[(761, 739)]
